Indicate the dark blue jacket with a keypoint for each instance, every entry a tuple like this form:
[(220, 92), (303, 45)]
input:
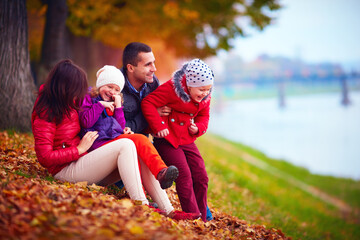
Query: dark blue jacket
[(132, 108)]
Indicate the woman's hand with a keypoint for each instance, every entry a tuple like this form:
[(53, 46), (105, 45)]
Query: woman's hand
[(162, 133), (109, 105), (87, 141), (164, 111), (117, 100), (127, 130)]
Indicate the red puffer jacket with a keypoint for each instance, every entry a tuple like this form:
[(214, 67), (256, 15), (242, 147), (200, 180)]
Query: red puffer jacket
[(55, 145)]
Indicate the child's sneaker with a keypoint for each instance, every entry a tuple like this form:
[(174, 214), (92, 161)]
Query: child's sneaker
[(209, 216), (167, 176), (153, 205), (180, 215), (119, 184), (156, 209)]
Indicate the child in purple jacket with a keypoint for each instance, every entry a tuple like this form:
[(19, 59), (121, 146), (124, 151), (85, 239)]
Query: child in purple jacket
[(102, 111)]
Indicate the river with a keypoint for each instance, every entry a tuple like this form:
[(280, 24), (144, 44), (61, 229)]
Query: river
[(312, 131)]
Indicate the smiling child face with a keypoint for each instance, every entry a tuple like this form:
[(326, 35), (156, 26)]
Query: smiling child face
[(107, 91), (198, 93)]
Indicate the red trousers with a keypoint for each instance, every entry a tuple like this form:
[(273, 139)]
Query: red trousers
[(192, 182), (146, 151)]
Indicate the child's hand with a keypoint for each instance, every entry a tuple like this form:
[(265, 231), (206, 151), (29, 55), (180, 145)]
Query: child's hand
[(193, 129), (162, 133), (127, 130), (109, 105), (117, 100), (87, 141), (164, 111)]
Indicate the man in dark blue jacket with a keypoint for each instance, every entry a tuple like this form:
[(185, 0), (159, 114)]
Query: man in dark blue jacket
[(140, 80)]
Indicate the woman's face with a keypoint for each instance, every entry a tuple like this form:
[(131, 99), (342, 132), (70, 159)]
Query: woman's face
[(198, 93), (108, 91)]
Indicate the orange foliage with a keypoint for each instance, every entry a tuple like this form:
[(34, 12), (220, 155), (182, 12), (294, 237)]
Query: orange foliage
[(34, 206)]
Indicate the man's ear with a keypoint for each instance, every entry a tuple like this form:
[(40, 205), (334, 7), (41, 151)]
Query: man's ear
[(129, 67)]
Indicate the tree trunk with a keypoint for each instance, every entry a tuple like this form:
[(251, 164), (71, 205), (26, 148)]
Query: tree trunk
[(16, 83), (55, 42)]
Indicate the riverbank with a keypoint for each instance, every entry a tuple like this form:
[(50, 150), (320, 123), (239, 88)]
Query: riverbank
[(252, 186), (312, 131)]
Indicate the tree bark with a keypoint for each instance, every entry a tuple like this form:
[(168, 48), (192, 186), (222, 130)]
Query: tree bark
[(16, 83), (55, 41)]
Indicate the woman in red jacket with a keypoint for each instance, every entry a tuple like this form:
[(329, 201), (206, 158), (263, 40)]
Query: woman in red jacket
[(55, 125), (188, 96)]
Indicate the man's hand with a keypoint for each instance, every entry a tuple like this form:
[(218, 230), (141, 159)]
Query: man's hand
[(164, 111), (162, 133), (87, 141)]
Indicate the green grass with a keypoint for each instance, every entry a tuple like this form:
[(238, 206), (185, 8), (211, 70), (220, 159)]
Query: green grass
[(261, 196)]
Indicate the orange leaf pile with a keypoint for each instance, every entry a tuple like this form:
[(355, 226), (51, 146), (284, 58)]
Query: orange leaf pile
[(33, 205)]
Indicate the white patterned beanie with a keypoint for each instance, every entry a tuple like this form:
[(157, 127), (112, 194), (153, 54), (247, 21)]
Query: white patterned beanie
[(109, 75), (198, 74)]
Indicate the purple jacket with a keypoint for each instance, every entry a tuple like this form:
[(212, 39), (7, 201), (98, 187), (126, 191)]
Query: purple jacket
[(93, 117)]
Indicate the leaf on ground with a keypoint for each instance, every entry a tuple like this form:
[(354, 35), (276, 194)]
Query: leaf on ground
[(34, 205)]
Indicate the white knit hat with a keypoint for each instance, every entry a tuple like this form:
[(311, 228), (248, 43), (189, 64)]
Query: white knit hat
[(110, 75), (198, 74)]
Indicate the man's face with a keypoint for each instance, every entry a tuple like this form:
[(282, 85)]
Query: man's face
[(145, 69)]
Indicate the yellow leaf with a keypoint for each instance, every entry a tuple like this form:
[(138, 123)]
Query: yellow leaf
[(96, 187), (126, 203), (42, 218), (136, 230), (114, 227), (81, 184), (35, 222), (106, 232), (84, 211), (250, 230)]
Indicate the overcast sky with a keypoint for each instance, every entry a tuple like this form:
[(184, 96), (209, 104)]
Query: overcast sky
[(314, 30)]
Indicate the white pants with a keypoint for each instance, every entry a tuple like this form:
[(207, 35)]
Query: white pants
[(112, 162)]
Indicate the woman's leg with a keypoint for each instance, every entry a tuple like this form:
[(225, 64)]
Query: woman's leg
[(199, 176), (153, 188), (184, 182), (100, 166), (147, 152)]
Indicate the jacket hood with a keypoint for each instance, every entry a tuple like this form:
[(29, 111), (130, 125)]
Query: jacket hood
[(179, 80)]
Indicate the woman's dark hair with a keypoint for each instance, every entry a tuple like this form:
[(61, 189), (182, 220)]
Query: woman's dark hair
[(131, 53), (64, 90)]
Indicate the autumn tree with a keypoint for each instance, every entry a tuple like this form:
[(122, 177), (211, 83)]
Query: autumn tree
[(55, 41), (16, 83), (190, 27), (186, 28)]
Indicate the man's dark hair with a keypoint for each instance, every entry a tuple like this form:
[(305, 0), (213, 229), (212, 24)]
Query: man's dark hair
[(131, 53)]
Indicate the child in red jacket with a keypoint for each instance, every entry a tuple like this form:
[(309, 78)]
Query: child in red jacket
[(188, 95)]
